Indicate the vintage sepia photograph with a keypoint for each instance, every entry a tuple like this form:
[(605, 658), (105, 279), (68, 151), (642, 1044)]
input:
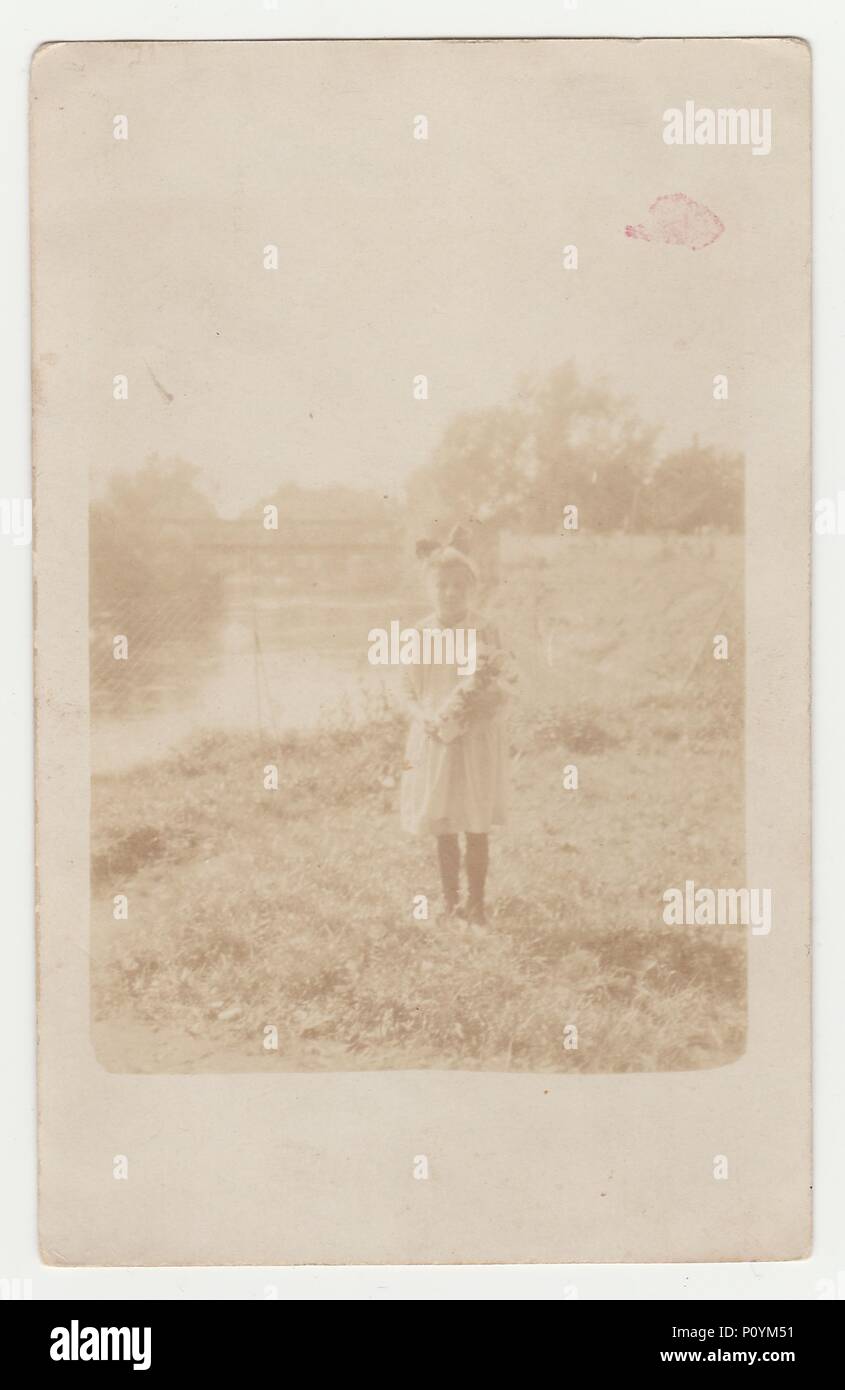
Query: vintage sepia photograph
[(421, 547), (314, 845)]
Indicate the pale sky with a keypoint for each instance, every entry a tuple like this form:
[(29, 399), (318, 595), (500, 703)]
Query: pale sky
[(400, 256)]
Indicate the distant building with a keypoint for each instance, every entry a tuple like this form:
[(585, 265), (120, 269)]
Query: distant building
[(323, 538)]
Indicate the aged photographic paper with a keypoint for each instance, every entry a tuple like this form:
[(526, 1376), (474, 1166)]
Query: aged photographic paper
[(422, 458)]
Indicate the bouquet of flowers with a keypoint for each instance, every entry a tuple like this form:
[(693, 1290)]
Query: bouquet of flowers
[(474, 697)]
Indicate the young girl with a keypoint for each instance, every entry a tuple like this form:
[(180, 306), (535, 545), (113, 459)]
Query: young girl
[(455, 762)]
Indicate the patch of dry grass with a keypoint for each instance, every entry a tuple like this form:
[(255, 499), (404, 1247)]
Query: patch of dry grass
[(293, 909)]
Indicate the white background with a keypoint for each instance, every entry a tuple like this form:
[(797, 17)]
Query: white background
[(23, 26)]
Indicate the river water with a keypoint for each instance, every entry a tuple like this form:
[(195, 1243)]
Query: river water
[(270, 662)]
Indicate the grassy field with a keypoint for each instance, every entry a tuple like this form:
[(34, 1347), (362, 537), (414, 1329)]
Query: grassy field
[(292, 909)]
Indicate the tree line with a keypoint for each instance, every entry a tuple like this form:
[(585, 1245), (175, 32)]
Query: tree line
[(562, 440)]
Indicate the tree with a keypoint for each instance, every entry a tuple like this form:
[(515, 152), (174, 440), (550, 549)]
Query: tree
[(696, 487), (480, 472), (591, 449), (149, 552), (560, 441)]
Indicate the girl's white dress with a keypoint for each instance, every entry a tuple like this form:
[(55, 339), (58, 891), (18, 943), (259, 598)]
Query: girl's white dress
[(457, 786)]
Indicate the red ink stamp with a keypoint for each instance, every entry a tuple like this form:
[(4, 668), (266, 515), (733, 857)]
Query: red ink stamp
[(677, 220)]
